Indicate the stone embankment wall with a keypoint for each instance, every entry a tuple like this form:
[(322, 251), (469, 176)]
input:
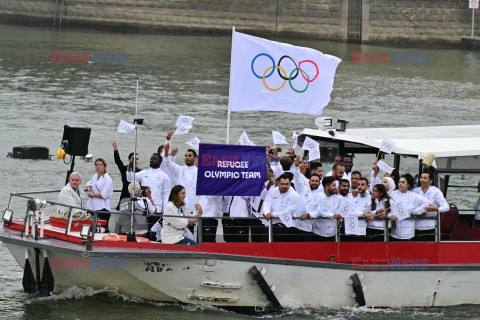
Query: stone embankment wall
[(387, 21)]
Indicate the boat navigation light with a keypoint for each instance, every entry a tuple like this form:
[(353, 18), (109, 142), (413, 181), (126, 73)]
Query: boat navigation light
[(85, 232), (7, 216), (324, 123)]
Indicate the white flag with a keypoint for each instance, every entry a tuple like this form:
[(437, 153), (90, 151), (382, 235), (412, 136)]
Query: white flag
[(194, 142), (384, 167), (273, 76), (183, 130), (387, 146), (346, 208), (286, 220), (294, 139), (313, 148), (125, 127), (399, 210), (351, 225), (184, 121), (244, 140), (278, 138)]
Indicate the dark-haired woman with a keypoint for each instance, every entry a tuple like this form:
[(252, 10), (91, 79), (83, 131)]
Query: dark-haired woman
[(175, 229), (412, 202), (377, 212), (123, 170)]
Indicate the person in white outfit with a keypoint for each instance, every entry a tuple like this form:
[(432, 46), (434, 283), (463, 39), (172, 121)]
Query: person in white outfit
[(414, 204), (185, 175), (100, 190), (425, 223), (176, 218), (280, 206), (72, 195), (309, 200), (211, 206), (156, 179), (377, 211), (325, 229)]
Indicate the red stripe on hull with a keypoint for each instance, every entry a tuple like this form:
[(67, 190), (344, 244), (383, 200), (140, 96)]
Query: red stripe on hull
[(361, 253)]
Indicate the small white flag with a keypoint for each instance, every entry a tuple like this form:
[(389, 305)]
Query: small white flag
[(244, 140), (194, 142), (125, 127), (387, 146), (294, 139), (384, 167), (351, 225), (286, 220), (184, 121), (183, 130), (399, 210), (278, 138), (313, 148), (346, 208)]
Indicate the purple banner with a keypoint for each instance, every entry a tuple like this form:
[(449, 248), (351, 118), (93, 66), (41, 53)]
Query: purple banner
[(230, 170)]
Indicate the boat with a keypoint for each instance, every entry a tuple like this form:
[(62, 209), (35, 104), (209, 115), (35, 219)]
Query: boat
[(270, 275)]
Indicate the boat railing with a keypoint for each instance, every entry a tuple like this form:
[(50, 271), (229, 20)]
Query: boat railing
[(269, 235)]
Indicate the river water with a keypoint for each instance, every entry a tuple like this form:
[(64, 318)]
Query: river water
[(189, 75)]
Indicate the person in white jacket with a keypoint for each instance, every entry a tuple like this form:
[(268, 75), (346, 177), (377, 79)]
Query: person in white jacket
[(414, 203), (425, 224), (100, 190), (175, 229), (72, 195)]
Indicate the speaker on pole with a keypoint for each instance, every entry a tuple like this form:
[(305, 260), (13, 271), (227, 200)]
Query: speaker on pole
[(75, 139)]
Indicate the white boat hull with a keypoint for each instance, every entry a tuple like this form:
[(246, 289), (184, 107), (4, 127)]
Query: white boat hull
[(224, 280)]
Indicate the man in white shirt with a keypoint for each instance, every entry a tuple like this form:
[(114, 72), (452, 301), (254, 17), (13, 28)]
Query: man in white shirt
[(156, 179), (280, 205), (338, 172), (72, 195), (360, 197), (338, 159), (309, 200), (299, 177), (258, 230), (325, 229), (425, 223), (186, 175), (348, 163), (354, 180)]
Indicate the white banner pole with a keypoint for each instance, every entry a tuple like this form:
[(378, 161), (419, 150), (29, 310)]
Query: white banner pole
[(230, 90)]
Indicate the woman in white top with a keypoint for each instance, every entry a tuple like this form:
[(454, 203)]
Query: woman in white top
[(377, 212), (389, 184), (100, 189), (174, 229), (412, 202)]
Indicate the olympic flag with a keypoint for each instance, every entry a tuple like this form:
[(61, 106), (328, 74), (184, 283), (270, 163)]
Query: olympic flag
[(194, 142), (125, 127), (313, 148), (387, 146), (273, 76), (184, 121), (245, 140)]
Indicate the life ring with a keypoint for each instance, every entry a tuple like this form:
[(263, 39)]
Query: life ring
[(123, 238)]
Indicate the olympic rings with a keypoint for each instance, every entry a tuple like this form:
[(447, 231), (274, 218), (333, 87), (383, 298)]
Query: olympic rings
[(293, 75), (296, 68), (265, 84), (310, 145), (290, 81), (266, 55), (125, 127), (316, 67)]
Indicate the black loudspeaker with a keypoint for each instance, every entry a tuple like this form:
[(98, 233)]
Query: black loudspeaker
[(75, 139)]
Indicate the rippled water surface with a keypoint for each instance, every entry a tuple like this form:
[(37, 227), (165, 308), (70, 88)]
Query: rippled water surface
[(189, 75)]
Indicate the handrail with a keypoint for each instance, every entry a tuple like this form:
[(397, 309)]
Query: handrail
[(199, 226)]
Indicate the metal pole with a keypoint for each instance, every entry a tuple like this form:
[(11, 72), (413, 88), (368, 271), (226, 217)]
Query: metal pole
[(134, 159), (385, 229), (473, 20), (437, 228), (337, 231), (199, 230), (230, 89), (270, 230)]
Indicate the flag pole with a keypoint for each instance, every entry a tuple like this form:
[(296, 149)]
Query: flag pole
[(230, 89), (131, 236)]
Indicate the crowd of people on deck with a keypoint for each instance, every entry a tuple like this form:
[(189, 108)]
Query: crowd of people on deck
[(294, 190)]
